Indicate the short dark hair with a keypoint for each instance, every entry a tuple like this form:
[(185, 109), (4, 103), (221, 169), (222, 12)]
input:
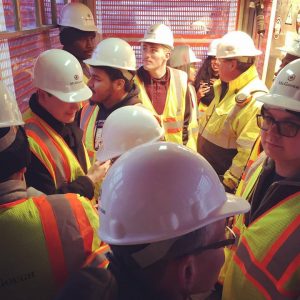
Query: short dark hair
[(68, 35), (16, 156)]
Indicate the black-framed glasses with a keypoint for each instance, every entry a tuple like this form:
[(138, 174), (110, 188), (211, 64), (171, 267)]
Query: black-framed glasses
[(231, 238), (284, 128)]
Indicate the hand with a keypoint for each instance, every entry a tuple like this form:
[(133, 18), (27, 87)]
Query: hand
[(203, 90), (98, 171)]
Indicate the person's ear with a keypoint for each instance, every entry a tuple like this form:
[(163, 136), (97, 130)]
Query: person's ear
[(186, 273), (119, 84)]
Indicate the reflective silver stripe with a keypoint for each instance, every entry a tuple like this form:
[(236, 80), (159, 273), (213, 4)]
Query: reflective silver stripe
[(70, 236), (261, 280), (9, 138), (170, 125), (85, 114), (286, 254), (54, 153)]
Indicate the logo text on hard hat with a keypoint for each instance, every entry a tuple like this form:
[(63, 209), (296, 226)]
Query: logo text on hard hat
[(291, 77), (76, 77), (285, 83)]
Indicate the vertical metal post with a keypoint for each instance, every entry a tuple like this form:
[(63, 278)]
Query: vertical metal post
[(18, 24), (54, 12), (38, 13)]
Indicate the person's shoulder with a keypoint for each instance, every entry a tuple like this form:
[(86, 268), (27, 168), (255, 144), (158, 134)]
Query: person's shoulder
[(90, 284)]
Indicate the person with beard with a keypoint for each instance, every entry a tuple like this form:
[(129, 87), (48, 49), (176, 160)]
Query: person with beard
[(78, 33), (113, 67), (59, 162)]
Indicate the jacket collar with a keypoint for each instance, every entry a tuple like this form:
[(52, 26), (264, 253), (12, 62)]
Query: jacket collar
[(12, 190)]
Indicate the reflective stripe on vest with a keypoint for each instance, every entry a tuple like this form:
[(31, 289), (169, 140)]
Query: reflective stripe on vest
[(267, 260), (193, 128), (44, 241), (53, 152), (173, 115), (98, 258), (88, 120)]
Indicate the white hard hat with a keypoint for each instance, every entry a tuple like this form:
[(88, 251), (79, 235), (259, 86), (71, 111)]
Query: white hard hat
[(285, 91), (182, 55), (160, 191), (125, 128), (10, 114), (159, 34), (115, 53), (236, 44), (293, 48), (212, 48), (59, 72), (77, 15)]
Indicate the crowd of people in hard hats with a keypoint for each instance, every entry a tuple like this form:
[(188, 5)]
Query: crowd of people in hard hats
[(195, 175)]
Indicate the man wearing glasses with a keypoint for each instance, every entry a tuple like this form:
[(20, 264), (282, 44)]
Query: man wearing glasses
[(228, 128), (167, 232), (265, 264)]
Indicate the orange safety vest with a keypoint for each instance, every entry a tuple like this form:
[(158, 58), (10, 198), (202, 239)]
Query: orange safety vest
[(88, 119), (173, 115), (43, 241), (51, 149), (266, 262)]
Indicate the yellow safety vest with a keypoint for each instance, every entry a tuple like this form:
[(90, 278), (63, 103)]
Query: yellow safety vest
[(193, 128), (51, 149), (172, 117), (245, 191), (88, 120), (255, 152), (43, 241), (230, 124), (265, 265)]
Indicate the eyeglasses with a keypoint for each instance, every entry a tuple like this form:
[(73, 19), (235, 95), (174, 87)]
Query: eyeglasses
[(284, 128), (231, 237)]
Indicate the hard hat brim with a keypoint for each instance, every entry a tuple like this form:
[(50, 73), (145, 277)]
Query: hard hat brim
[(280, 101), (82, 28), (98, 63), (153, 41), (82, 94), (253, 53), (105, 154)]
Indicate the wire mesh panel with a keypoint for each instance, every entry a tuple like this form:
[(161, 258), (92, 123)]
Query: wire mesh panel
[(23, 52), (9, 14), (27, 14), (195, 23)]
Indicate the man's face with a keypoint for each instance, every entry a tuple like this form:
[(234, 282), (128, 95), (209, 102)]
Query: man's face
[(210, 261), (227, 69), (283, 150), (60, 110), (83, 47), (154, 56), (101, 86)]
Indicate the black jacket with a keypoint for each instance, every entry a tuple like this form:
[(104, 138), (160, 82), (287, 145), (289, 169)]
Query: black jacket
[(38, 176)]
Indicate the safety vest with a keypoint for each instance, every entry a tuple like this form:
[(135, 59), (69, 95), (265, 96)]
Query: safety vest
[(193, 127), (43, 241), (255, 152), (88, 120), (201, 109), (266, 262), (172, 117), (51, 149), (225, 121)]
